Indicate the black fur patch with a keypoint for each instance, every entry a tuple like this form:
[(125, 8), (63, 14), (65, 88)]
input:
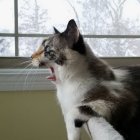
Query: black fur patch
[(98, 93), (132, 81), (61, 60), (123, 121), (87, 111), (100, 70), (43, 43), (80, 46), (56, 31), (78, 123)]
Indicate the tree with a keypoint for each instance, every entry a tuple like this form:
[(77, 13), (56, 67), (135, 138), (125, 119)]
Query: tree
[(32, 19), (75, 11), (6, 47), (104, 17)]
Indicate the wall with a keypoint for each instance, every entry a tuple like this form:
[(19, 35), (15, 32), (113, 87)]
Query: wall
[(32, 115)]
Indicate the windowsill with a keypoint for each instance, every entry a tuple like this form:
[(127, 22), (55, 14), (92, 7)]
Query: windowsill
[(20, 79)]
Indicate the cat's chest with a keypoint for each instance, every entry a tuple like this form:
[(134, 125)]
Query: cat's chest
[(72, 93), (69, 95), (72, 87)]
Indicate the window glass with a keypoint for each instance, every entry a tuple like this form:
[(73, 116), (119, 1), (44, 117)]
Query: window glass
[(6, 16), (28, 45), (7, 46), (115, 47), (101, 47), (39, 16), (109, 17), (112, 17), (93, 17)]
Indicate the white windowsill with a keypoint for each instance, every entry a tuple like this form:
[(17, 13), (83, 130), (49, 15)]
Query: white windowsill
[(21, 80)]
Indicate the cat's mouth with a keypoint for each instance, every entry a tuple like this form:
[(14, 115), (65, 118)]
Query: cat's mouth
[(52, 77)]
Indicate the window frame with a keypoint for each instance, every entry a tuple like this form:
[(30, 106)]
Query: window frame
[(9, 68), (16, 34)]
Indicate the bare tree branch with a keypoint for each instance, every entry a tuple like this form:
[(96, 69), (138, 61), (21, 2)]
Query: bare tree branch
[(122, 2), (74, 9), (138, 1)]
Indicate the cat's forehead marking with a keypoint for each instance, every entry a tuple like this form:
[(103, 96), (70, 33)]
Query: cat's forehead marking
[(45, 41), (50, 40), (60, 41), (56, 40)]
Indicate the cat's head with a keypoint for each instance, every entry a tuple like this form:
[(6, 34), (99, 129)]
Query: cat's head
[(60, 48)]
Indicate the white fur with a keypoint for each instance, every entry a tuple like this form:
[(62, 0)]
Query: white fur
[(116, 85), (35, 63), (100, 129), (103, 108), (120, 74), (112, 86)]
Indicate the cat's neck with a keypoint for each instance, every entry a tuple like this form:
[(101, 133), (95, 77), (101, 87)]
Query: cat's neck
[(73, 70), (98, 68), (84, 67)]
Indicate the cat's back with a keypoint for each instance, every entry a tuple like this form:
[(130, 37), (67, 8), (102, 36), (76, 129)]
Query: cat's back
[(132, 79), (131, 82)]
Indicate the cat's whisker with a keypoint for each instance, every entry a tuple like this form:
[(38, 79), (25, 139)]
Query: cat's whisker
[(18, 65), (25, 62), (22, 70), (34, 77), (25, 81)]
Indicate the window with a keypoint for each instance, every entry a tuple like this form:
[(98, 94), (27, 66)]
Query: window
[(111, 27)]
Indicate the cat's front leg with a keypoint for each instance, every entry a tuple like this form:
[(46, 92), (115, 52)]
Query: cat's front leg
[(99, 129), (75, 119)]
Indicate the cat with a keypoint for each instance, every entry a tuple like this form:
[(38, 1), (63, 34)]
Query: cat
[(90, 92)]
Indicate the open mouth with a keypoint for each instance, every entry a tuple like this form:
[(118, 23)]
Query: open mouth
[(52, 77)]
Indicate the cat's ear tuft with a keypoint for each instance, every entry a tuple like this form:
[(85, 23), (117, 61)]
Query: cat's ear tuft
[(72, 31), (56, 31)]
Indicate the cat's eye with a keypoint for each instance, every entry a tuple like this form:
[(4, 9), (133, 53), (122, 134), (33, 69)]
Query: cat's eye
[(47, 48), (50, 54)]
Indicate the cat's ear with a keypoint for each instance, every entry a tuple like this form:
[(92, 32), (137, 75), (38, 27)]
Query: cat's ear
[(56, 31), (72, 31)]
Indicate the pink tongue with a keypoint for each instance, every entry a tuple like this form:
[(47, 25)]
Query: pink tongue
[(52, 78)]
